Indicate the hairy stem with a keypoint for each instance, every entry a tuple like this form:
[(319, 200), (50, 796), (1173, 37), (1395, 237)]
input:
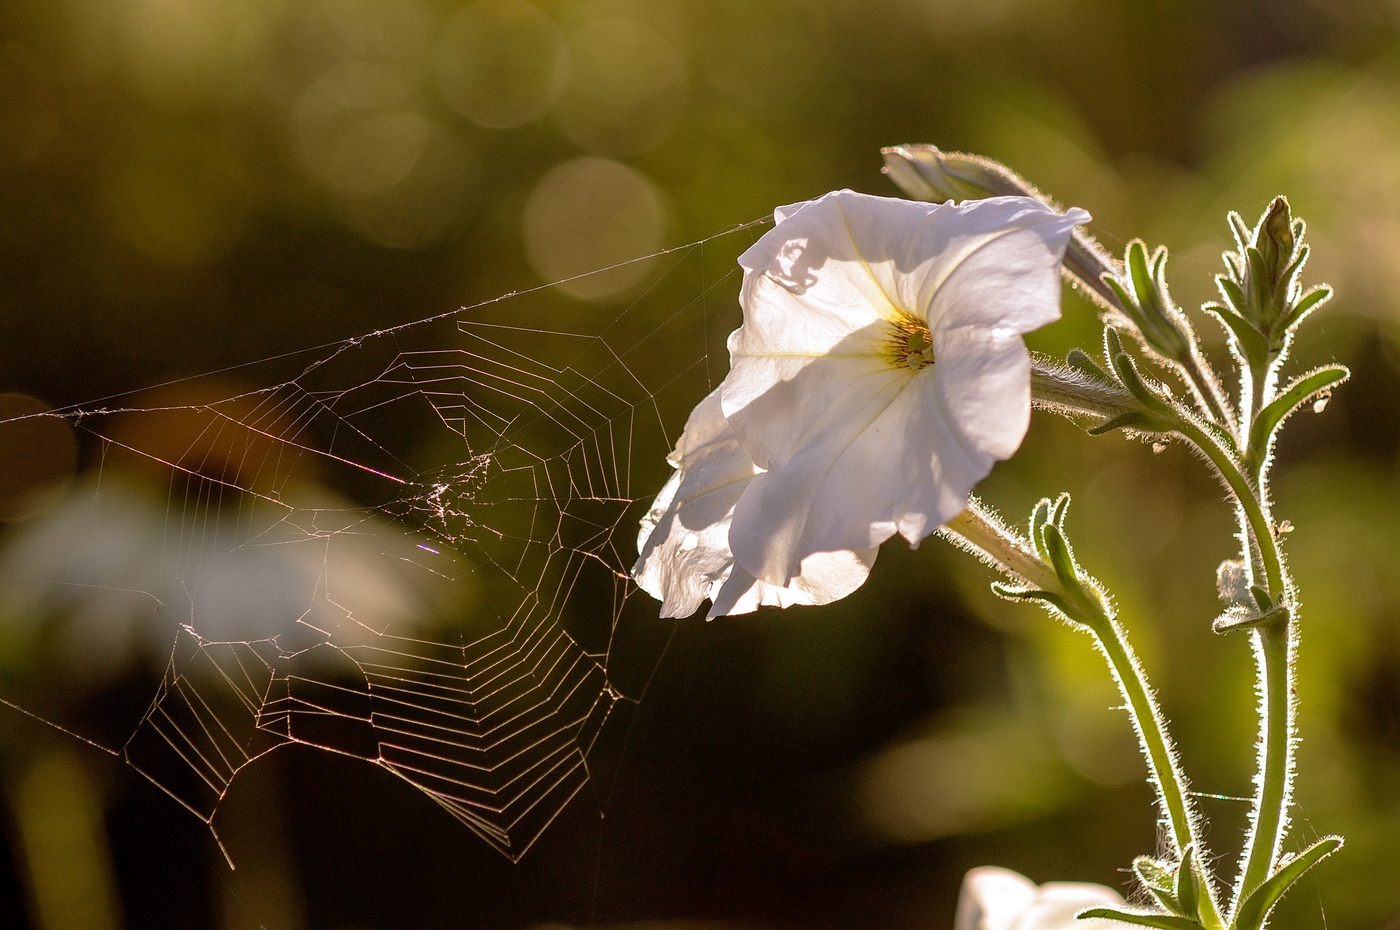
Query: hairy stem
[(982, 531), (1162, 759), (1273, 648)]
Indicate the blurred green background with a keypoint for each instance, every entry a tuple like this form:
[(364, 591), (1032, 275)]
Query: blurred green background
[(188, 186)]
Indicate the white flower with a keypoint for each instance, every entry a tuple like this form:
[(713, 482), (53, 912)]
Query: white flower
[(880, 370), (684, 540), (1000, 899)]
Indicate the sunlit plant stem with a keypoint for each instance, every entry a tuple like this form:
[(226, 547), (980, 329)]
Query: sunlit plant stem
[(987, 536)]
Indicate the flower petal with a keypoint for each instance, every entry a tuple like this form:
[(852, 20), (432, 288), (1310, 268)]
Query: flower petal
[(897, 464), (1000, 899), (683, 543), (993, 898), (856, 444)]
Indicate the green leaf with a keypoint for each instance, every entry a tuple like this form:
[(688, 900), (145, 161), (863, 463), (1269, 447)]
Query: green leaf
[(1251, 345), (1187, 888), (1141, 918), (1261, 900), (1298, 392), (1081, 361), (1061, 557), (1232, 292), (1307, 303), (1131, 420), (1159, 882)]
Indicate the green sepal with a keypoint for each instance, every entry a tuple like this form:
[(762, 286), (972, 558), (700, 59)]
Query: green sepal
[(1257, 904), (1131, 421), (1040, 515), (1250, 345), (1187, 885), (1082, 361), (1141, 918), (1060, 555), (1298, 392), (1126, 372), (1019, 593), (1159, 881), (1126, 369), (1157, 319)]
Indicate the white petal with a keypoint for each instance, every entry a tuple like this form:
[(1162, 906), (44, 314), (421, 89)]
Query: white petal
[(894, 463), (1000, 899), (1057, 903), (856, 446), (993, 899), (824, 577), (683, 543)]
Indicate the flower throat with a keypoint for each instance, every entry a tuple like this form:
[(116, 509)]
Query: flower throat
[(910, 345)]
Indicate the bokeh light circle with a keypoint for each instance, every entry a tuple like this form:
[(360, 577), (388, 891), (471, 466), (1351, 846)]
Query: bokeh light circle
[(501, 63), (590, 214), (627, 87)]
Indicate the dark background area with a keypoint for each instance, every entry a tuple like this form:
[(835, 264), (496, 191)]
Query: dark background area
[(187, 187)]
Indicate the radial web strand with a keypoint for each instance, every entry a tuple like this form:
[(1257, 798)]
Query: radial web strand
[(411, 547)]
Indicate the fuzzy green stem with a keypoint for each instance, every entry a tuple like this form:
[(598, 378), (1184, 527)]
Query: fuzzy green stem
[(1251, 506), (1159, 751), (999, 547), (1205, 385), (1058, 387), (986, 534), (1274, 652)]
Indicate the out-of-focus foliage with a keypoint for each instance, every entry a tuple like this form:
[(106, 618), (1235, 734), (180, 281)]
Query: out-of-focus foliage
[(189, 185)]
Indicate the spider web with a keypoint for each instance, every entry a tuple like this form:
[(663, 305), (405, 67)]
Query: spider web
[(412, 550)]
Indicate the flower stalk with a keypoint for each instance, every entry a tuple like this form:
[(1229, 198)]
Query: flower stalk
[(1063, 587)]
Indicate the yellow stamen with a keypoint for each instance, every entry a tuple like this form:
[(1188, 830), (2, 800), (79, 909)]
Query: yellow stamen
[(910, 345)]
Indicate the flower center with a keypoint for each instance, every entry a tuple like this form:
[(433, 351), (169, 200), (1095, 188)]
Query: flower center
[(910, 345)]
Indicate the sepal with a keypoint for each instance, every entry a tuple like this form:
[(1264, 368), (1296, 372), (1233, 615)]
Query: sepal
[(1142, 289), (1081, 599), (1261, 285), (1159, 880), (1257, 904)]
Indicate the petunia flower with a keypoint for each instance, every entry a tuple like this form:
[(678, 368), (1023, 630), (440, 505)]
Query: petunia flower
[(880, 369), (684, 539), (1000, 899)]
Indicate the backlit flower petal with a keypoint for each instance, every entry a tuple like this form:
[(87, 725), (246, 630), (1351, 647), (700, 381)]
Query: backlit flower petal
[(1000, 899), (684, 539), (831, 391)]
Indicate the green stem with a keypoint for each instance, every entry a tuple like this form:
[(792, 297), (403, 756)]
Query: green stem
[(1159, 751), (1255, 515), (986, 534), (1273, 647), (1206, 386)]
